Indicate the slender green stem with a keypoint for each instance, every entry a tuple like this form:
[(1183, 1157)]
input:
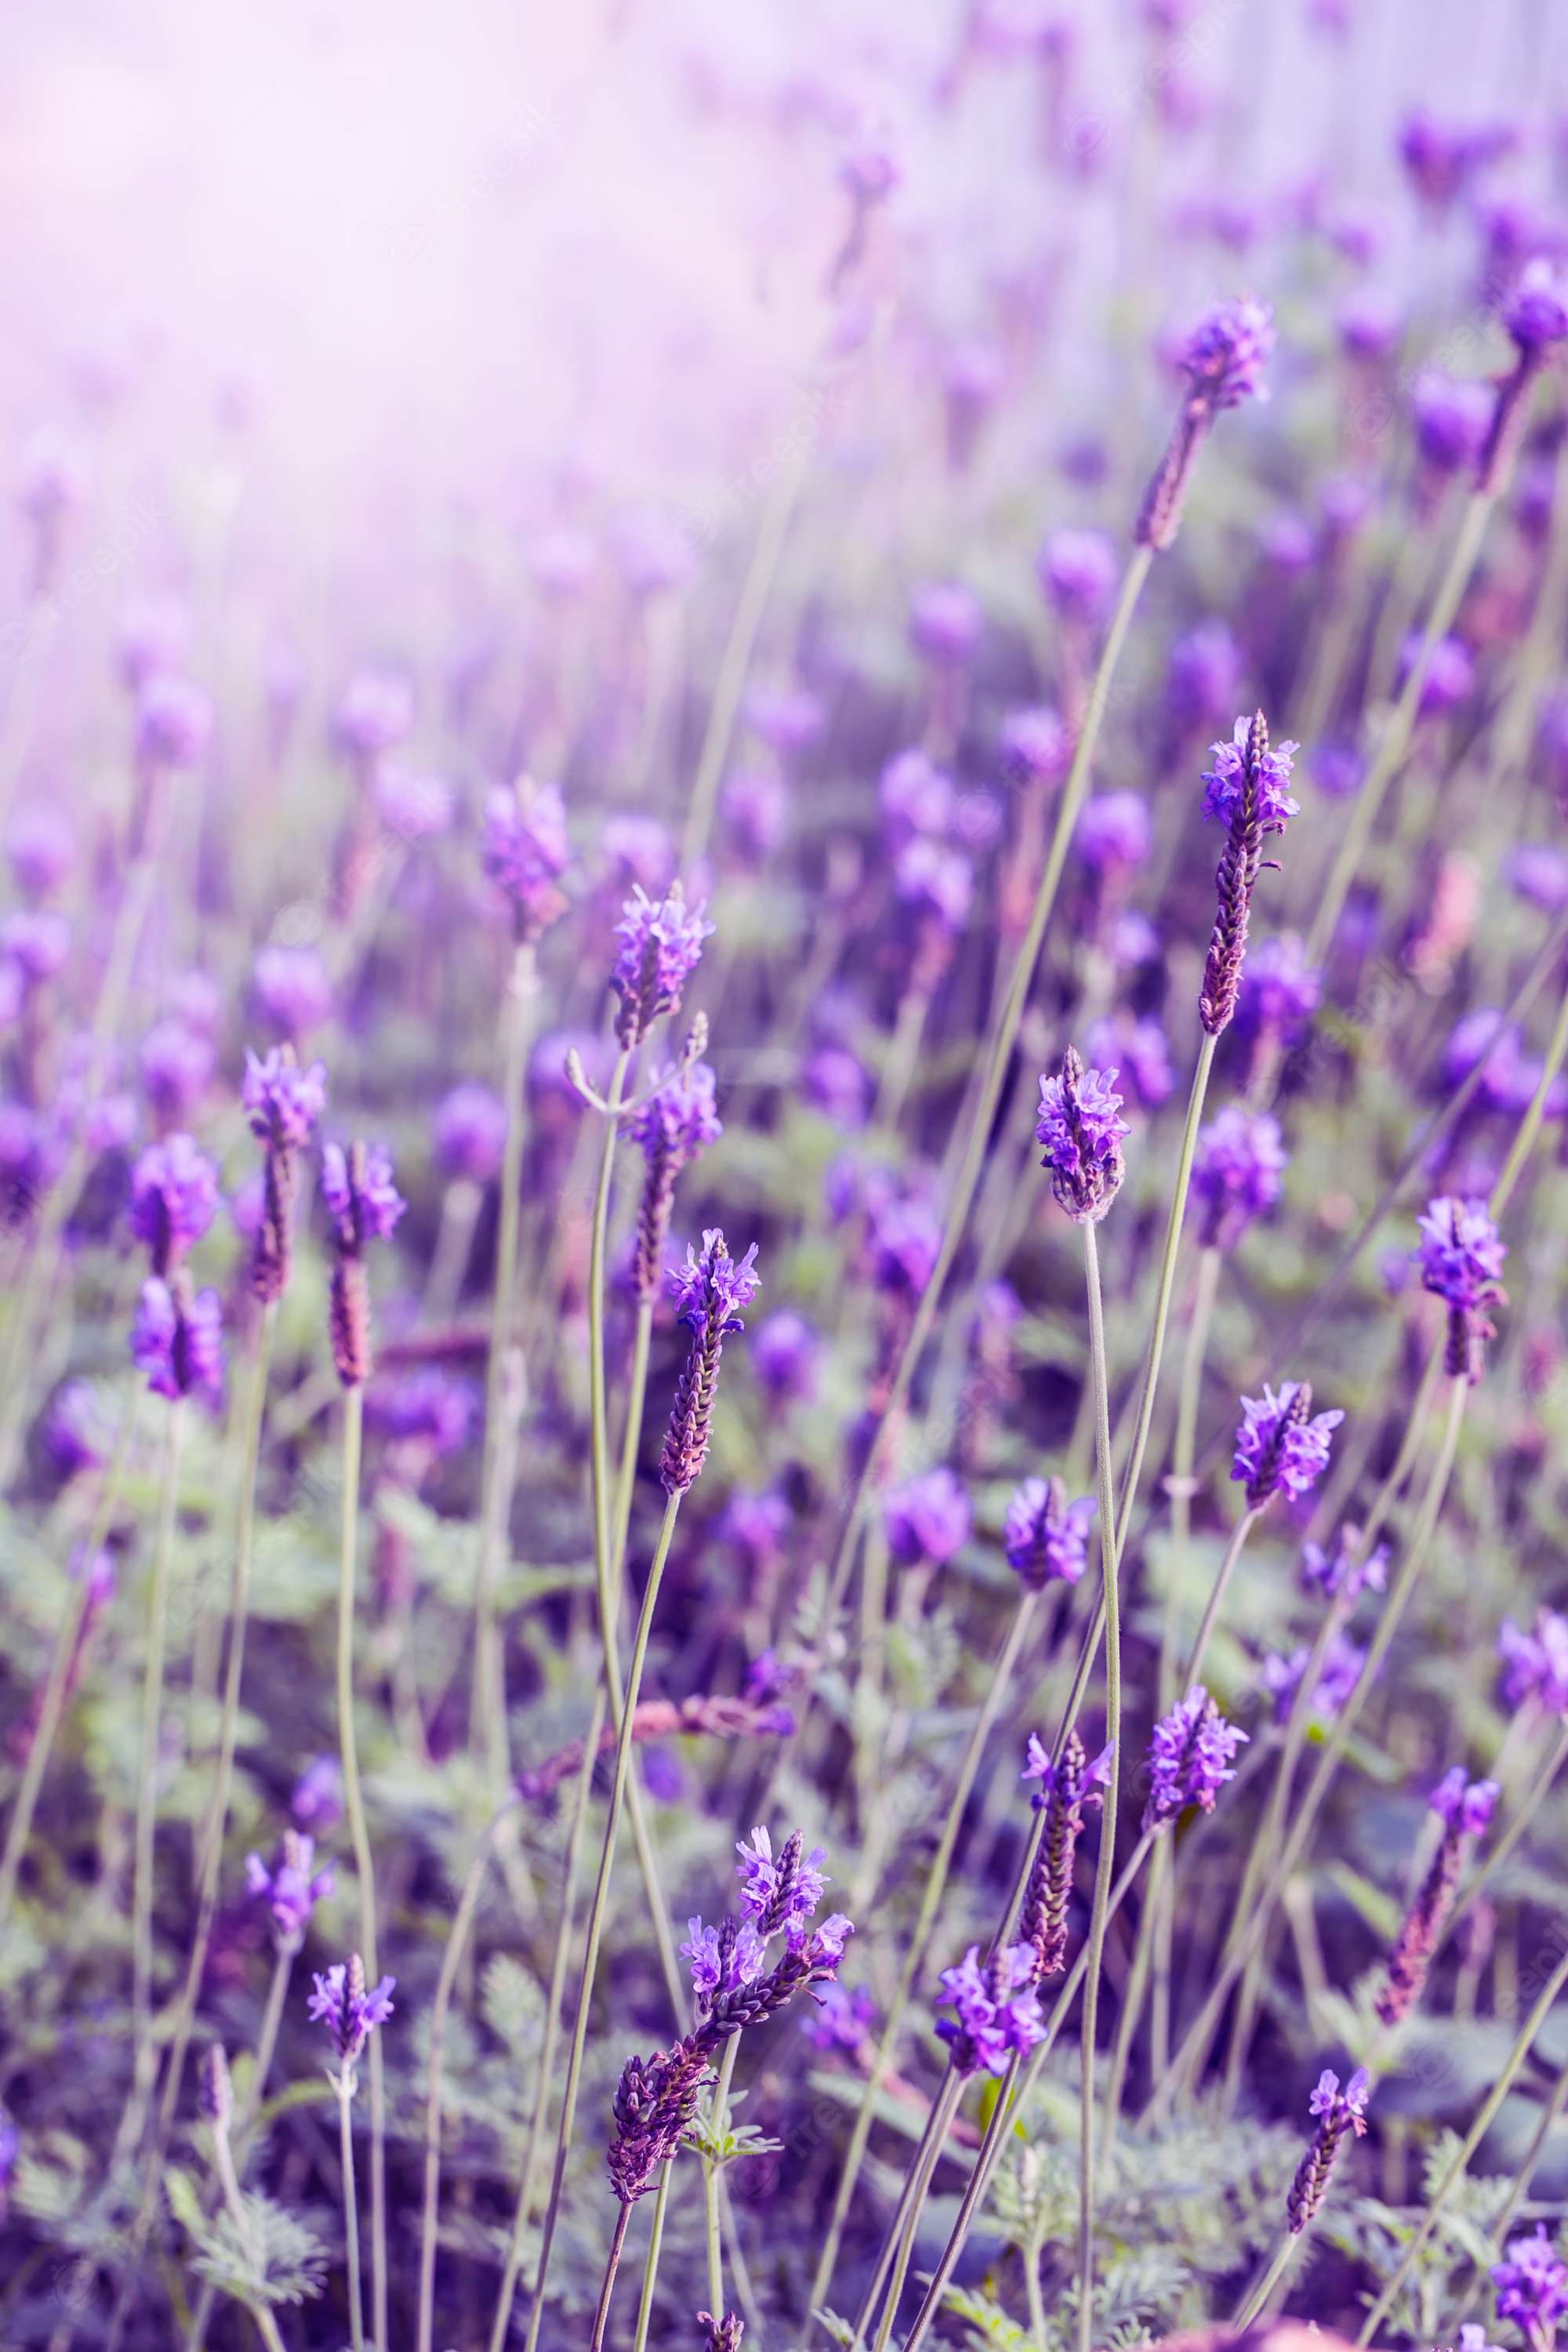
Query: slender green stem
[(996, 1057), (487, 1719), (617, 2245), (351, 2210), (654, 2246), (636, 1401), (596, 1912), (217, 1811), (937, 2117), (946, 2101), (918, 1944), (20, 1827), (1234, 1551), (359, 1836), (1015, 2094), (147, 1780), (1110, 1547), (451, 1960), (283, 1961), (1189, 2061), (1256, 2298), (1528, 1127), (1395, 742), (711, 2171), (1472, 2140), (553, 1999), (1519, 2189)]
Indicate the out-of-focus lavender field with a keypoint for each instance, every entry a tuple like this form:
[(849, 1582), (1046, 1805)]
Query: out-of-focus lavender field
[(783, 993)]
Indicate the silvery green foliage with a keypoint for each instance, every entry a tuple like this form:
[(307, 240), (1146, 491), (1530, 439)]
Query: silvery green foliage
[(1438, 2292), (262, 2256)]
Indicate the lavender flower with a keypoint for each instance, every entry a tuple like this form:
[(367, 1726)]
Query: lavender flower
[(1139, 1052), (174, 723), (1189, 1755), (784, 1356), (937, 877), (1205, 672), (654, 2101), (292, 989), (374, 712), (1337, 2112), (470, 1133), (349, 2012), (37, 942), (366, 1206), (780, 1897), (660, 947), (1343, 1665), (1532, 2288), (74, 1431), (1451, 418), (928, 1518), (318, 1798), (41, 846), (1223, 364), (1115, 832), (905, 1236), (1237, 1170), (1077, 571), (289, 1888), (1451, 676), (1082, 1138), (843, 2019), (1536, 314), (1465, 1807), (998, 2009), (412, 804), (915, 797), (173, 1199), (1065, 1789), (283, 1102), (723, 1959), (945, 621), (1461, 1256), (673, 1126), (1247, 792), (1045, 1536), (1278, 1450), (711, 1292), (1342, 1574), (1536, 1665), (526, 851), (1280, 991), (176, 1063), (177, 1338), (1034, 745)]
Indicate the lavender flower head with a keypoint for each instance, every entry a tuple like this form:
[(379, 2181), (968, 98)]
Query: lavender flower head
[(1464, 1809), (1077, 571), (998, 2010), (1531, 2288), (1342, 1574), (1536, 1665), (1462, 1805), (1338, 2112), (945, 621), (282, 1100), (928, 1518), (1237, 777), (364, 1205), (173, 1199), (316, 1801), (1536, 314), (41, 848), (349, 2012), (176, 1063), (1082, 1136), (673, 1126), (289, 1890), (784, 1356), (661, 944), (174, 723), (780, 1897), (1451, 416), (1279, 1449), (176, 1338), (292, 989), (1223, 362), (470, 1133), (1189, 1758), (526, 851), (1066, 1786), (1115, 832), (1045, 1536), (1246, 791), (721, 1961), (843, 2018), (1461, 1256), (1238, 1171), (711, 1292), (374, 712)]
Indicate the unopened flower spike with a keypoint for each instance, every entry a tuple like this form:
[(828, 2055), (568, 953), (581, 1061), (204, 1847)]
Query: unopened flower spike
[(1065, 1789), (1082, 1135), (1246, 791), (283, 1102), (711, 1291), (673, 1126), (364, 1205), (1338, 2112), (1465, 1807), (1536, 317), (1223, 364)]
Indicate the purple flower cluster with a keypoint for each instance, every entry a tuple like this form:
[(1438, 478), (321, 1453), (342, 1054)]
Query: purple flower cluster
[(1234, 781), (780, 1896), (711, 1292), (1536, 1665), (1237, 1174), (1190, 1753), (1223, 361), (998, 2010), (1461, 1256), (1338, 2112), (1342, 1574), (1045, 1536), (526, 851), (289, 1889), (177, 1338), (661, 945), (1279, 1449), (174, 1199), (1531, 2288), (1341, 1671), (928, 1518), (349, 2012), (1082, 1135)]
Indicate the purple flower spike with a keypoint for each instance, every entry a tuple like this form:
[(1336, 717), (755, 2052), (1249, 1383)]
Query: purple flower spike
[(711, 1292), (1532, 2288), (674, 1127), (780, 1896), (1189, 1758), (661, 944), (470, 1133), (177, 1339), (349, 2012), (1536, 1665), (1338, 2114), (364, 1202), (928, 1518), (784, 1356), (1461, 1257), (1045, 1536), (1278, 1450), (1234, 776), (291, 1892), (998, 2009), (1343, 1574), (1537, 313), (292, 989), (1082, 1136), (526, 851), (1115, 832), (1465, 1806), (282, 1100), (1223, 362), (174, 1199), (174, 723), (318, 1798), (721, 1959), (1077, 571), (1236, 1174)]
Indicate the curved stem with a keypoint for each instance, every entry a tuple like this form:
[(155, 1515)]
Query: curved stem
[(217, 1811), (914, 1956), (946, 2101), (359, 1836), (616, 2246), (631, 1439), (1110, 1547), (1257, 2298), (596, 1912), (938, 2117), (147, 1783), (1234, 1551), (451, 1960), (711, 2171), (654, 2246), (997, 1056), (283, 1962), (502, 2321)]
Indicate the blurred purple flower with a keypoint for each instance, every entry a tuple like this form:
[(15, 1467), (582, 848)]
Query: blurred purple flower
[(283, 1099), (934, 875), (1460, 1254), (177, 1339), (427, 1408), (654, 551), (74, 1432), (1451, 676), (1077, 572), (1535, 1664), (754, 802), (289, 1889), (755, 1524), (526, 850), (470, 1133), (1464, 1805), (37, 942), (174, 1199), (1140, 1053), (1343, 1573), (1536, 314), (1538, 872), (638, 849), (838, 1084), (1115, 832), (945, 621), (153, 638), (1204, 674), (1338, 770), (1236, 1174), (292, 989), (843, 2019), (415, 805), (1279, 991), (786, 718), (318, 1798), (364, 1203), (176, 1064), (375, 713), (1368, 322), (1288, 541), (905, 1236), (174, 723), (1045, 1536), (1451, 416), (1340, 1672), (41, 846), (784, 1351), (1034, 745), (1442, 159), (927, 1517), (916, 797), (1531, 2288), (1225, 356)]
